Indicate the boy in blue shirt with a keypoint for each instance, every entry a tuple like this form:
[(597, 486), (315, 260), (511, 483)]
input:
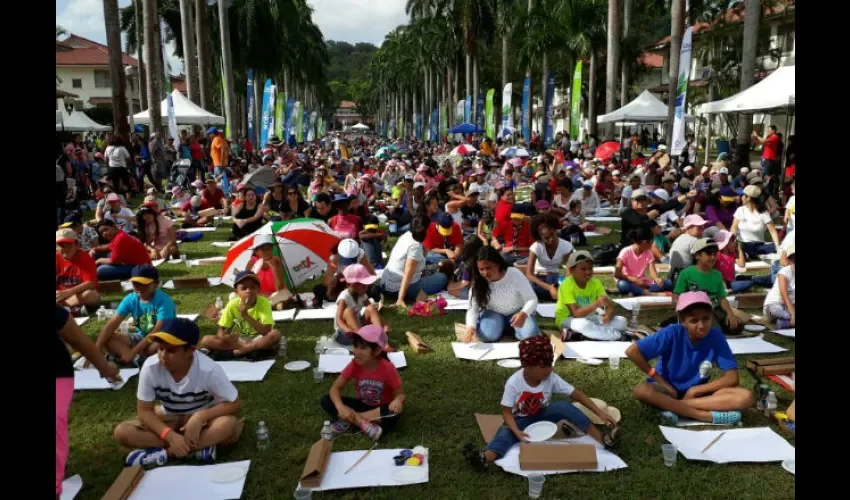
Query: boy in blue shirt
[(679, 383), (149, 306)]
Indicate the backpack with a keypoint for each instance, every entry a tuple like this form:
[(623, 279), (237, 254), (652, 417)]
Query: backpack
[(604, 255)]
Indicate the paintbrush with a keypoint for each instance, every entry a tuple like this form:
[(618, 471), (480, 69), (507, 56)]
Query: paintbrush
[(485, 353), (709, 445), (383, 416), (361, 458)]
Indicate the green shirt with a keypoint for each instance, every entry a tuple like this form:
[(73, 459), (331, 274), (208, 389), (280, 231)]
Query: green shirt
[(570, 293), (691, 279), (662, 242), (230, 317)]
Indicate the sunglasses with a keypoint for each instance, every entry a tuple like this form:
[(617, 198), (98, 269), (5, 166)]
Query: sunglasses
[(291, 193)]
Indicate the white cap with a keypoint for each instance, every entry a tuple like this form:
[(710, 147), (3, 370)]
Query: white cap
[(662, 147), (689, 168), (418, 185), (473, 189), (263, 239), (744, 170), (703, 170), (724, 170), (662, 194), (615, 173), (348, 249)]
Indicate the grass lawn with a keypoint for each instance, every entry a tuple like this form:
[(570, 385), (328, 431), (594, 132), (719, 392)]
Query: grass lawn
[(442, 395)]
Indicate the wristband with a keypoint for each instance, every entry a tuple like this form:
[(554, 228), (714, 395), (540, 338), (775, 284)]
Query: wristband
[(164, 433), (651, 372)]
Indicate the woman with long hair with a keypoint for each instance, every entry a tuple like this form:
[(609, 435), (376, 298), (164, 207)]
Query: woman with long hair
[(500, 298), (248, 215), (275, 200), (751, 219), (546, 256), (405, 274), (156, 232), (295, 204)]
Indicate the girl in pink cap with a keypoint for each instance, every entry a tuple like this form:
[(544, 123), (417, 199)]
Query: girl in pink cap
[(353, 305)]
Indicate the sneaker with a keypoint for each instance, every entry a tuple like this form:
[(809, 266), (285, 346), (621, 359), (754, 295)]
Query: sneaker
[(475, 457), (374, 431), (150, 457), (725, 417), (206, 454), (340, 427), (669, 418)]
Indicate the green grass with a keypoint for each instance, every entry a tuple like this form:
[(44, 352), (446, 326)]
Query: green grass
[(442, 395)]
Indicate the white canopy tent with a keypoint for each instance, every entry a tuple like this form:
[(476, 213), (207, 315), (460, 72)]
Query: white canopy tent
[(775, 93), (185, 111), (644, 108), (360, 126), (80, 122)]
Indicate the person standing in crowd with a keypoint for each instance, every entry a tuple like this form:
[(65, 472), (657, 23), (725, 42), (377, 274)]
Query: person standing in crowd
[(159, 159), (771, 143), (117, 155)]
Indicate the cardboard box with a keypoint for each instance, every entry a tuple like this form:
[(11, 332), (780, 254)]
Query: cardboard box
[(750, 300), (771, 366), (125, 484), (553, 456), (417, 343), (191, 282), (317, 463), (489, 425), (113, 286)]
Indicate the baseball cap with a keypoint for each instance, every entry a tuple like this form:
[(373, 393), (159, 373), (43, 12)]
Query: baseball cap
[(197, 184), (372, 223), (445, 223), (210, 180), (724, 171), (704, 244), (417, 185), (722, 238), (688, 299), (662, 147), (752, 175), (151, 190), (357, 273), (408, 178), (263, 239), (473, 190), (371, 333), (752, 191), (72, 220), (638, 194), (212, 130), (744, 170), (661, 194), (144, 274), (587, 185), (703, 170), (348, 251), (688, 169), (176, 190), (245, 275), (668, 178), (112, 197), (578, 256), (178, 331), (693, 220), (615, 173), (66, 235)]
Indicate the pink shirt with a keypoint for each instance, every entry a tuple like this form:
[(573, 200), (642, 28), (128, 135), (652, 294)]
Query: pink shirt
[(725, 263), (635, 265)]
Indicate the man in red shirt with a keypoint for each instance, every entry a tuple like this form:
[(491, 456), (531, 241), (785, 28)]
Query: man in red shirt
[(197, 154), (76, 273), (444, 239), (125, 252), (192, 212), (770, 151), (214, 195), (513, 238)]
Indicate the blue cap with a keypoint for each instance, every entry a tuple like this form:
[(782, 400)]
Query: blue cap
[(212, 130), (178, 331), (245, 275), (144, 274), (340, 197), (445, 220), (587, 185)]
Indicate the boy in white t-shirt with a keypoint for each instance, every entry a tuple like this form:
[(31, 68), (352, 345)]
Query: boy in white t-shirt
[(780, 302), (527, 400), (198, 403)]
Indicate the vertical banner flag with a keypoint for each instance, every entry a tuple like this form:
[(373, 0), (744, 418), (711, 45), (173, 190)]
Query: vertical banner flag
[(172, 119), (289, 111), (279, 120), (320, 126), (223, 94), (251, 109), (444, 119), (548, 112), (435, 118), (459, 112), (298, 118), (575, 103), (506, 108), (311, 131), (526, 104), (305, 122), (266, 113), (682, 95), (272, 104), (479, 110), (489, 124), (418, 128), (467, 110)]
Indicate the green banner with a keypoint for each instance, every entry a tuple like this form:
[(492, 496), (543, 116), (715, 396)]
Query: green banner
[(489, 124), (279, 103), (299, 122), (575, 104)]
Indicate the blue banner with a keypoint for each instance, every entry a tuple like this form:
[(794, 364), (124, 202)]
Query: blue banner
[(467, 109), (479, 110), (435, 120), (290, 104), (306, 119), (526, 104), (266, 116), (548, 123), (418, 126), (251, 107)]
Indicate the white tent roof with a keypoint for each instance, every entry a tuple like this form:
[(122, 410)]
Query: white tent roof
[(645, 108), (360, 126), (80, 122), (186, 112), (774, 92)]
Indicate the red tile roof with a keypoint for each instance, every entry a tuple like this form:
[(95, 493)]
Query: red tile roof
[(651, 60), (87, 53), (179, 83), (347, 104)]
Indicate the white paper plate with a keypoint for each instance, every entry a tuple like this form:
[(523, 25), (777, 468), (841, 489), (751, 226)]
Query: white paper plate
[(339, 351), (790, 465), (540, 431), (590, 361), (296, 366), (754, 328), (229, 475), (509, 363), (410, 475)]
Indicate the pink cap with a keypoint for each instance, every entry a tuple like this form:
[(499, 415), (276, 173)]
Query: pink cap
[(372, 333), (357, 273), (688, 299), (176, 189), (111, 197), (693, 220), (722, 238)]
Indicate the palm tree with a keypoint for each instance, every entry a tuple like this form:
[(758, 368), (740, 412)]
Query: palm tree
[(116, 68), (613, 58), (227, 65), (189, 63), (585, 27), (752, 13), (60, 31), (202, 38), (624, 65), (155, 70)]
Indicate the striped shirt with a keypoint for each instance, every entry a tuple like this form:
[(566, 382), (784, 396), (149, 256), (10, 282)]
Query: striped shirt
[(205, 385)]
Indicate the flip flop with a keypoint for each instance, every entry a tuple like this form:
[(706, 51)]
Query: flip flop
[(611, 438)]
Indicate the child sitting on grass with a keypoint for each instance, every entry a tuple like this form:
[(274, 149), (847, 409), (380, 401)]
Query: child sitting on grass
[(268, 268), (687, 351), (353, 308), (198, 403), (527, 400), (246, 326), (632, 263), (579, 296), (780, 303), (379, 389)]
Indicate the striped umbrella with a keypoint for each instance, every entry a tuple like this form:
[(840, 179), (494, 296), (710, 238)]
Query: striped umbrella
[(463, 149), (514, 151)]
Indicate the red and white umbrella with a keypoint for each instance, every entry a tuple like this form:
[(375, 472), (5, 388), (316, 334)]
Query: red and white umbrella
[(463, 149)]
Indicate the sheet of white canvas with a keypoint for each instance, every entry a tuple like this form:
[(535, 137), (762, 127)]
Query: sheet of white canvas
[(223, 244), (190, 317), (328, 311), (246, 371), (755, 265), (605, 460), (81, 321), (591, 234), (627, 303), (787, 332), (179, 482), (207, 260), (454, 303), (758, 444), (753, 345), (214, 281), (285, 315), (603, 219), (686, 422), (375, 470), (479, 351), (71, 486), (158, 262), (198, 229), (90, 380), (594, 349), (335, 363), (603, 269), (546, 310)]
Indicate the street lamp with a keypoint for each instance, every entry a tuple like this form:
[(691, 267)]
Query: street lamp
[(130, 72)]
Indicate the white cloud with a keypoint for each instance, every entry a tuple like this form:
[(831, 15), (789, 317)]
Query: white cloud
[(358, 20)]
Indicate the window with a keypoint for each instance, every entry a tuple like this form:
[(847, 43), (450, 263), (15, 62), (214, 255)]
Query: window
[(78, 105), (77, 83), (101, 79), (785, 38)]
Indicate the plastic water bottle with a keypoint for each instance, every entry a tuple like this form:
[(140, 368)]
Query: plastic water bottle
[(635, 312), (262, 436), (281, 347), (319, 347), (770, 407), (101, 313), (219, 304), (327, 431)]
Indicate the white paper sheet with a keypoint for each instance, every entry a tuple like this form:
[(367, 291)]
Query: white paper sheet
[(591, 234), (222, 244), (686, 422), (246, 371), (752, 266), (375, 470), (198, 229), (214, 281), (335, 363), (489, 351), (71, 486), (158, 262), (603, 219), (753, 345), (81, 321), (328, 311), (595, 349), (285, 315), (605, 460), (454, 303), (183, 482), (89, 379), (627, 303), (603, 269), (190, 317), (546, 310), (207, 260), (759, 444), (787, 332)]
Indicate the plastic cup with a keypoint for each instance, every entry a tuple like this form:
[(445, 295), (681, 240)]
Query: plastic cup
[(303, 494), (318, 375), (670, 452), (535, 485), (733, 303), (614, 361)]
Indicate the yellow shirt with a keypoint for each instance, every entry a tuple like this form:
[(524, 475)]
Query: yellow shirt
[(230, 317), (570, 293)]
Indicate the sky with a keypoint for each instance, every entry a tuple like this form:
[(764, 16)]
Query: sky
[(343, 20)]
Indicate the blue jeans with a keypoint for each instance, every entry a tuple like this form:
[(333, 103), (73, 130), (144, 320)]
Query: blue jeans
[(542, 293), (755, 248), (491, 325), (109, 272), (767, 280), (433, 257), (372, 249), (504, 439), (739, 286), (627, 287), (437, 282), (225, 183)]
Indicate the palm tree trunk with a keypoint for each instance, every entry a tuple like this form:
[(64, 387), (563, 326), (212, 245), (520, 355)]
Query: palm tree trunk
[(468, 76), (613, 60), (189, 63), (544, 66), (677, 17), (141, 75), (474, 105), (151, 23), (202, 37), (457, 81), (226, 62), (116, 69), (530, 88), (752, 11), (504, 46), (591, 97), (624, 65)]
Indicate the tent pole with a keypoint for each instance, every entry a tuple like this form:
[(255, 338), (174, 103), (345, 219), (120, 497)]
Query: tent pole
[(782, 160)]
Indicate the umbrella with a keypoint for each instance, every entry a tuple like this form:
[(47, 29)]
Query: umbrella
[(465, 128), (463, 149), (384, 152), (515, 151), (606, 150), (516, 162), (304, 245), (507, 131)]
